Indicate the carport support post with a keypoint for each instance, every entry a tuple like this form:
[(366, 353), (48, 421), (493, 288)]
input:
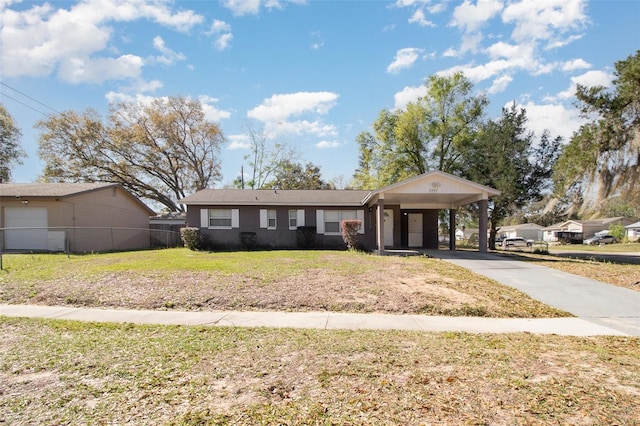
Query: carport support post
[(452, 229), (380, 227), (483, 220)]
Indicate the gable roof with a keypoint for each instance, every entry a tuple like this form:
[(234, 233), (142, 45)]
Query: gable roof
[(521, 226), (61, 190), (49, 189), (434, 189), (279, 197)]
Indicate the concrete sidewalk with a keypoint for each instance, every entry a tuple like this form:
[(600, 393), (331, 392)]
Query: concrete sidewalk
[(318, 320)]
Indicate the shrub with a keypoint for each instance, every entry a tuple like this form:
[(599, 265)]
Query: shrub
[(249, 240), (306, 236), (192, 239), (350, 233)]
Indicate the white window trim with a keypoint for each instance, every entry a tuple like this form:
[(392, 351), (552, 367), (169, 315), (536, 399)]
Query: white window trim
[(235, 219), (299, 219), (264, 219), (320, 229)]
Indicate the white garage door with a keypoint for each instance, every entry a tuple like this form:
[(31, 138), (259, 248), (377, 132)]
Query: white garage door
[(33, 218)]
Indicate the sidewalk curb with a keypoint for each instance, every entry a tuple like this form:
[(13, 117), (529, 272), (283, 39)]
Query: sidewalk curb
[(318, 320)]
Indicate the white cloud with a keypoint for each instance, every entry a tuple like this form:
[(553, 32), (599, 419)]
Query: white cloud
[(218, 27), (407, 95), (405, 58), (242, 7), (88, 70), (555, 117), (281, 107), (419, 18), (212, 113), (588, 79), (41, 39), (576, 64), (500, 84), (239, 142), (300, 127), (223, 42), (168, 57), (471, 18), (252, 7), (547, 20), (327, 144)]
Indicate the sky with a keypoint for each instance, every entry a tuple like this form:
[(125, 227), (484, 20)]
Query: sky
[(313, 73)]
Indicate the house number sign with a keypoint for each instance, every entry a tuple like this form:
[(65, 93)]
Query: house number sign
[(434, 186)]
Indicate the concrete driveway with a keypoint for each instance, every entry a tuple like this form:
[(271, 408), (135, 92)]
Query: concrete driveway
[(591, 300)]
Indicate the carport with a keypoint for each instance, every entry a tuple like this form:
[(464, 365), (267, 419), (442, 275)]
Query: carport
[(409, 209)]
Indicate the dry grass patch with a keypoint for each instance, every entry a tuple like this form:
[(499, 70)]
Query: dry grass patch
[(62, 372), (277, 280)]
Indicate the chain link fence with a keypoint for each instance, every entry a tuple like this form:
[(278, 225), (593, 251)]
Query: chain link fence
[(85, 239)]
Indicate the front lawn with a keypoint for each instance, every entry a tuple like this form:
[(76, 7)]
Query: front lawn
[(63, 372), (264, 280)]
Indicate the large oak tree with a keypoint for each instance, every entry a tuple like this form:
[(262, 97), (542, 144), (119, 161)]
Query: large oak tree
[(10, 151), (161, 151)]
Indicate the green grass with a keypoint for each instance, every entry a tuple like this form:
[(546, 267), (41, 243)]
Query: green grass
[(276, 263), (63, 372), (262, 280)]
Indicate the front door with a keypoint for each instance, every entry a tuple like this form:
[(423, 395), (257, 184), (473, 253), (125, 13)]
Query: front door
[(415, 229), (388, 228)]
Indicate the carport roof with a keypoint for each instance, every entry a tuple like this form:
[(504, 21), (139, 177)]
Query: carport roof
[(432, 190)]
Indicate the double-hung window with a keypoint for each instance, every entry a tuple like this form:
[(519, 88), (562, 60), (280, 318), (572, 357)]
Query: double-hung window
[(293, 219), (333, 218), (219, 218), (268, 219)]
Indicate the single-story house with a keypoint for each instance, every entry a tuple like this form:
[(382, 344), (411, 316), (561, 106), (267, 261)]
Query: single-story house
[(528, 231), (633, 231), (576, 231), (402, 215), (75, 217), (466, 233)]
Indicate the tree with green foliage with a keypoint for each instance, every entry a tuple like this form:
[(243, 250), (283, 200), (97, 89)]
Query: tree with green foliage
[(159, 151), (505, 156), (290, 175), (603, 156), (431, 133), (10, 151)]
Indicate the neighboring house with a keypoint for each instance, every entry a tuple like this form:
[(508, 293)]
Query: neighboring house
[(575, 231), (633, 231), (466, 233), (78, 217), (166, 229), (528, 231), (400, 215)]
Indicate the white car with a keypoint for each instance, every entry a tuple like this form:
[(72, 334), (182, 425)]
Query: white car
[(516, 242)]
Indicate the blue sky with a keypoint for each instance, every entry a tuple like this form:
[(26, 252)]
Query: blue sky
[(313, 73)]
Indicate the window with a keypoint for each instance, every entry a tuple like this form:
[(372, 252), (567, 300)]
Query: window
[(332, 219), (220, 218), (268, 219), (293, 219), (271, 219)]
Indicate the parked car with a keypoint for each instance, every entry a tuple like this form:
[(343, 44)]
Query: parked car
[(516, 242), (600, 239)]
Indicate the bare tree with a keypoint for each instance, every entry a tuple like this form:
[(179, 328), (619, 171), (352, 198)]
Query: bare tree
[(159, 151)]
